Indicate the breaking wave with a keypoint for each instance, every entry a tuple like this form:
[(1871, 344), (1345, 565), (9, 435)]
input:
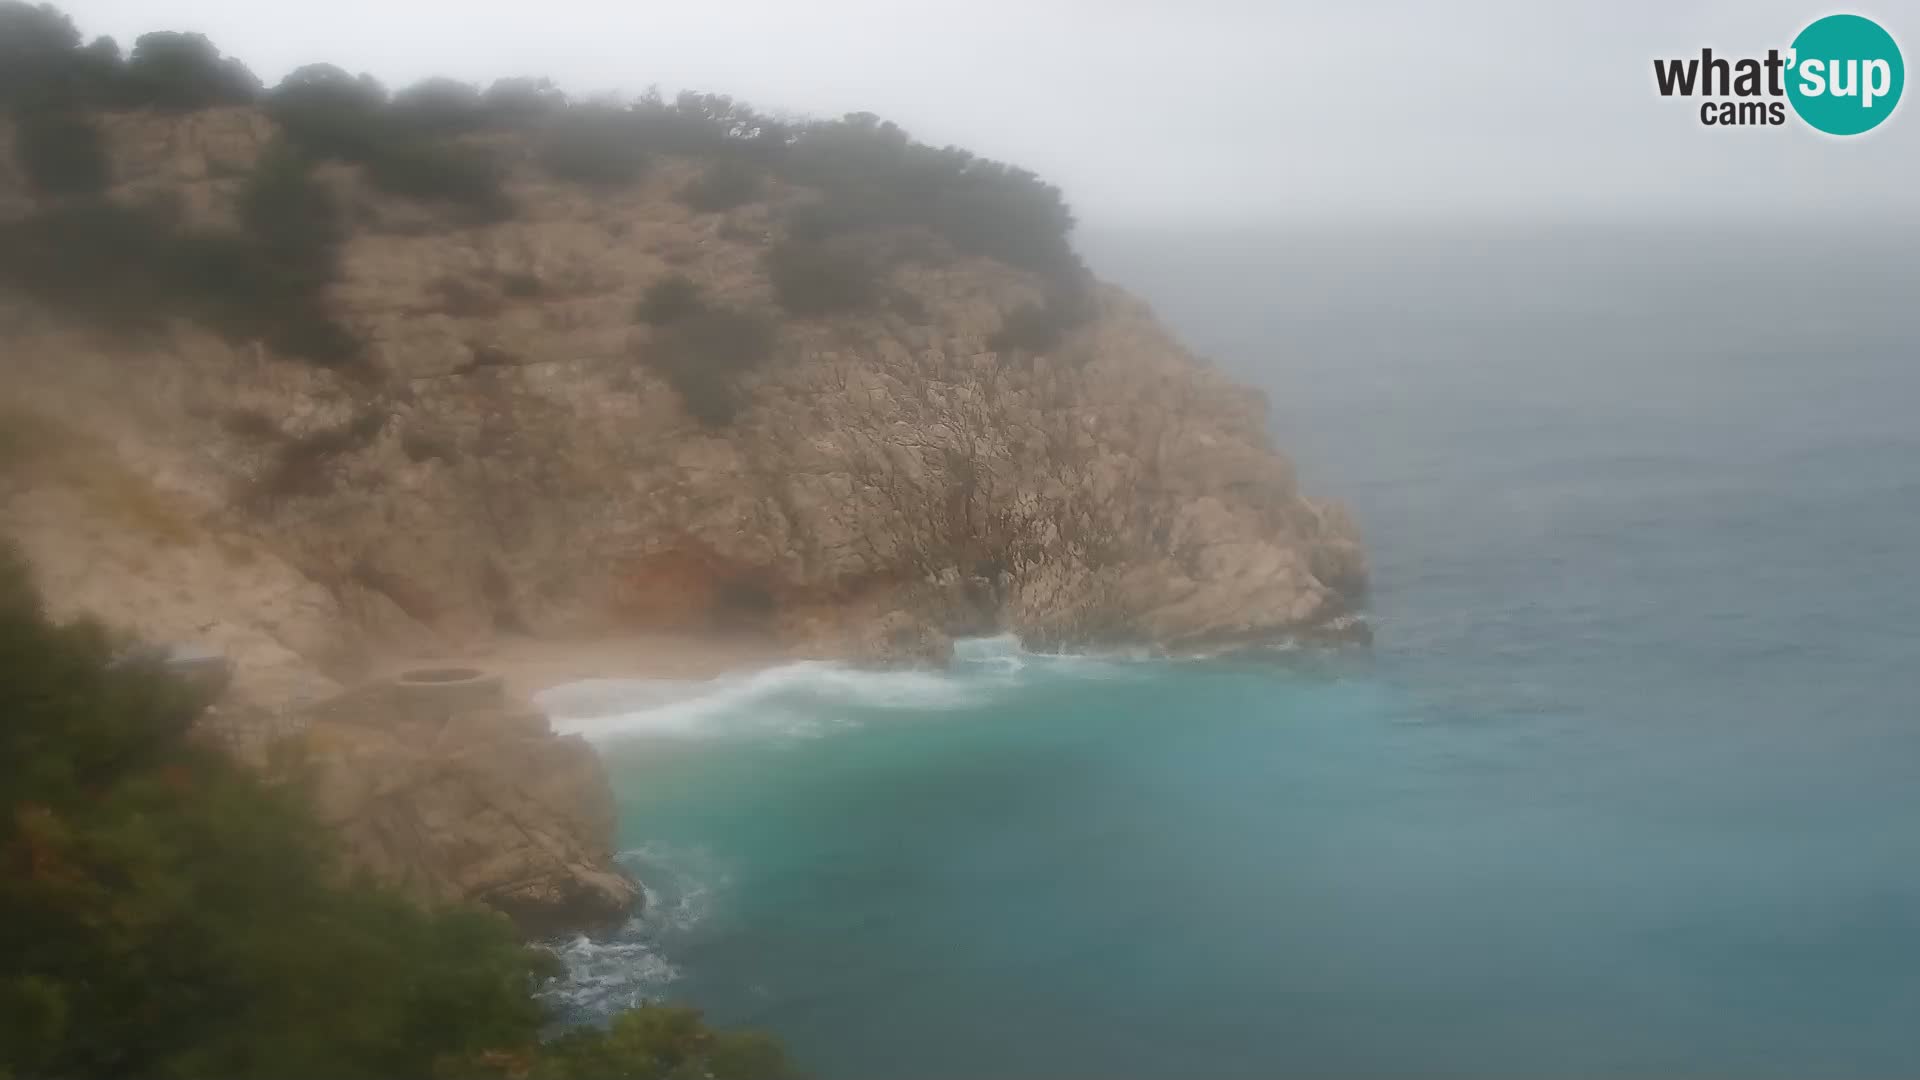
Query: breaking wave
[(603, 976), (807, 697)]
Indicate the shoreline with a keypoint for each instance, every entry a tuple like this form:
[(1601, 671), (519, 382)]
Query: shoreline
[(528, 665)]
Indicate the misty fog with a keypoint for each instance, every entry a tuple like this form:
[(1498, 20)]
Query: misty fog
[(1163, 112)]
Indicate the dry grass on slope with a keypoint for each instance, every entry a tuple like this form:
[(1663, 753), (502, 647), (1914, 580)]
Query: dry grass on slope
[(40, 450)]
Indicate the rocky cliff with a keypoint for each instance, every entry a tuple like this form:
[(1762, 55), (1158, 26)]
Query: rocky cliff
[(505, 462), (438, 784), (513, 467)]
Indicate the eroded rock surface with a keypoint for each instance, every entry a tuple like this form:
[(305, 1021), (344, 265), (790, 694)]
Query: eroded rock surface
[(512, 464), (454, 796), (516, 465)]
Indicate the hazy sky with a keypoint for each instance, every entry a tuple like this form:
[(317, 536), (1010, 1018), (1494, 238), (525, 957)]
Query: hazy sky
[(1160, 110)]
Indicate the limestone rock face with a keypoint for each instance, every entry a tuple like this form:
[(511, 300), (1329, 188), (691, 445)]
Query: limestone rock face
[(517, 465), (513, 464), (453, 796), (198, 160)]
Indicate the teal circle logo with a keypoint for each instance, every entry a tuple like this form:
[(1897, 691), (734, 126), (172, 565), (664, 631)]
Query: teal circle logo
[(1845, 75)]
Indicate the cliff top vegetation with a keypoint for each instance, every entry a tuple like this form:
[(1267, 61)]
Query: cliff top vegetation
[(454, 145)]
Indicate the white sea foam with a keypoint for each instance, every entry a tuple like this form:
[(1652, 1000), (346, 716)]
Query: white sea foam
[(688, 881), (631, 966), (809, 697), (1003, 652), (792, 698), (605, 976)]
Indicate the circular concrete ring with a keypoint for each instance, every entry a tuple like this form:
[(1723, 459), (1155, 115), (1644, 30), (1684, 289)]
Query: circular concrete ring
[(449, 689)]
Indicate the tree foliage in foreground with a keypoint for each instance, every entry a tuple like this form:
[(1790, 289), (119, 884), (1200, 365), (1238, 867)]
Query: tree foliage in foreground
[(667, 1042), (164, 913)]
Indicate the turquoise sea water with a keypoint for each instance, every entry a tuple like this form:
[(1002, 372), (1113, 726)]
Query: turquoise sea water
[(1629, 784)]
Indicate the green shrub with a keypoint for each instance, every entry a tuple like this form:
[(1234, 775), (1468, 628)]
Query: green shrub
[(1041, 327), (310, 332), (874, 176), (37, 44), (704, 353), (330, 114), (725, 185), (185, 71), (467, 176), (822, 277), (43, 66), (300, 466), (873, 179), (909, 307), (293, 218), (439, 106), (522, 100), (708, 125), (165, 913), (99, 74), (611, 146), (131, 268), (670, 299), (821, 220), (109, 264), (295, 230), (661, 1043), (61, 153), (593, 145)]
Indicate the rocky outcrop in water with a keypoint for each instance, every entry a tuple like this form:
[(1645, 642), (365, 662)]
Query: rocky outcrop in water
[(439, 786)]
